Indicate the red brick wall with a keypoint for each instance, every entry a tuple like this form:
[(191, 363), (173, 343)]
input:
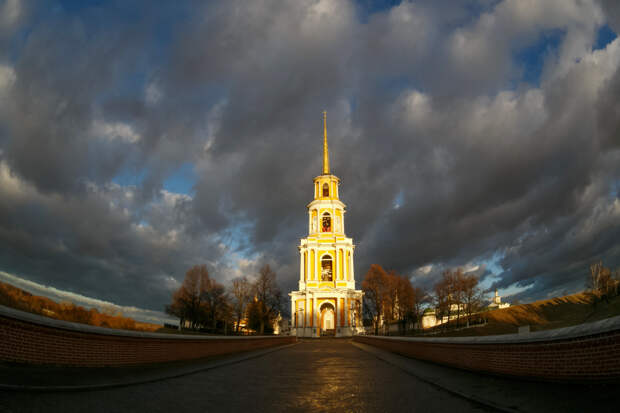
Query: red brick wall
[(30, 342), (587, 358)]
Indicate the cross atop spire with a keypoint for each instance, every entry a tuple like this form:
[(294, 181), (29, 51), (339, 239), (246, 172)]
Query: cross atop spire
[(325, 149)]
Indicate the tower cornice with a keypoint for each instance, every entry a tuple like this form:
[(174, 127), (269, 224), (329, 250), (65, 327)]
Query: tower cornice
[(328, 201)]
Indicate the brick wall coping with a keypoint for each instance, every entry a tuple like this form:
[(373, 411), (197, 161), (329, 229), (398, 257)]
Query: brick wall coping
[(85, 328), (566, 333)]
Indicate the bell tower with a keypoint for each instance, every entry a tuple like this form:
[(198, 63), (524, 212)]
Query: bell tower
[(326, 302)]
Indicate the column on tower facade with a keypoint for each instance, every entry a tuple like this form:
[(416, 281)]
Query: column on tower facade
[(345, 266), (315, 319), (350, 274), (317, 265), (311, 263), (335, 273), (293, 313), (352, 266), (336, 324), (301, 265)]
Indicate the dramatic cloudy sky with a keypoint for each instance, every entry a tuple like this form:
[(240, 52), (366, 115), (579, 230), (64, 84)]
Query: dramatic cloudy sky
[(140, 138)]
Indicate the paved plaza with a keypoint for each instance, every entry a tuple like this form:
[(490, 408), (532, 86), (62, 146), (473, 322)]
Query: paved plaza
[(313, 375)]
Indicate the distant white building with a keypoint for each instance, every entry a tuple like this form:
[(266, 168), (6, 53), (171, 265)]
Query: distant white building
[(497, 302)]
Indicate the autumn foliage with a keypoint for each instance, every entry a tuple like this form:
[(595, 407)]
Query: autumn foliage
[(390, 297), (17, 298)]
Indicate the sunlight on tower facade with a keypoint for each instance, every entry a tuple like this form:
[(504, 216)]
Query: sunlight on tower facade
[(327, 302)]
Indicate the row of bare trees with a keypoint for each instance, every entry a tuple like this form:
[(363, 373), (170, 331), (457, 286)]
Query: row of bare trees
[(201, 303), (457, 293), (390, 297)]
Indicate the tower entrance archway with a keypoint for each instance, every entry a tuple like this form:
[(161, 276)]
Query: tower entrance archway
[(327, 322)]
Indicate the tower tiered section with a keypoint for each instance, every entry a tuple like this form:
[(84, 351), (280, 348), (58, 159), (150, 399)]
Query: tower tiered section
[(327, 302)]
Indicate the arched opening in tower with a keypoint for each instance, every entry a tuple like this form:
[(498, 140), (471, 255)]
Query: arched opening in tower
[(328, 319), (326, 268)]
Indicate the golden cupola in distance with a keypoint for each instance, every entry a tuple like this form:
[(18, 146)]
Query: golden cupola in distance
[(327, 302)]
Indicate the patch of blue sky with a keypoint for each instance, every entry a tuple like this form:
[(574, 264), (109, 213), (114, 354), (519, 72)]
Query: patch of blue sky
[(119, 11), (493, 266), (493, 263), (614, 188), (604, 36), (394, 85), (512, 290), (182, 180), (399, 199), (531, 59), (237, 240), (487, 281), (76, 6), (129, 177), (132, 84), (368, 7)]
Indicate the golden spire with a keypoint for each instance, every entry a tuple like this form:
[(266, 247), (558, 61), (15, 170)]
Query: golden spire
[(325, 150)]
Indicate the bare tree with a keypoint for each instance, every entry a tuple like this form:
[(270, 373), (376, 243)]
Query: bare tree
[(390, 297), (405, 302), (457, 287), (268, 298), (214, 303), (602, 281), (187, 300), (242, 295), (443, 294), (374, 286), (470, 293), (593, 282), (200, 300)]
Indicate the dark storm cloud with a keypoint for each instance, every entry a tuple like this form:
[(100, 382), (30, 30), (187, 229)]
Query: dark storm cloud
[(443, 160)]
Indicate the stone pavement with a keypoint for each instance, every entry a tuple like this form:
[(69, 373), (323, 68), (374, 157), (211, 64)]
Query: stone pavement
[(508, 394), (315, 375), (19, 377), (333, 375)]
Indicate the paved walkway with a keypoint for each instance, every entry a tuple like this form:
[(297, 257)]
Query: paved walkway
[(314, 375)]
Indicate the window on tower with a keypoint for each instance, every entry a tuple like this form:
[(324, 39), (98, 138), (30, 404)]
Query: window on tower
[(326, 189), (326, 268), (326, 223)]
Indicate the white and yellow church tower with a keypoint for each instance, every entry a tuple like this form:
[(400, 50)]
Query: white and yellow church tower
[(327, 302)]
